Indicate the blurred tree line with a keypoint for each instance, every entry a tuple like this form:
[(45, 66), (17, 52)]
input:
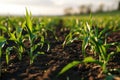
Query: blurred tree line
[(119, 6), (86, 9)]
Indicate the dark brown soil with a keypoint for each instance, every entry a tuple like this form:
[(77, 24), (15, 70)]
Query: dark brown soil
[(47, 66)]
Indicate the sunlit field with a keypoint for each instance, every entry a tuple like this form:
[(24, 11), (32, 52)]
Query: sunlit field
[(76, 47)]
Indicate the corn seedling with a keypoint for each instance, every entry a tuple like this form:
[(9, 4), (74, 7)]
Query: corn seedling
[(41, 32), (69, 39), (73, 34), (99, 46), (32, 36), (92, 38), (8, 54), (17, 37)]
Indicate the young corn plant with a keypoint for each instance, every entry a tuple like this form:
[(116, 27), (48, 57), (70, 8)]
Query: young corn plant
[(69, 39), (104, 57), (89, 34), (17, 37), (73, 34), (32, 35), (41, 32), (99, 45), (97, 42), (81, 31), (86, 32), (8, 54)]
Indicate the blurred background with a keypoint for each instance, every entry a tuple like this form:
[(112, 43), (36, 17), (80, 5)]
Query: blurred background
[(55, 7)]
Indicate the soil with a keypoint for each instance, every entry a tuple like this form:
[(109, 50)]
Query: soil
[(47, 66)]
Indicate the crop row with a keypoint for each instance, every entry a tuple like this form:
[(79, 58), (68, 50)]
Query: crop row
[(27, 34)]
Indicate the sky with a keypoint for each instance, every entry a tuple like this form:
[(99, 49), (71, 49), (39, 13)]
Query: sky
[(49, 7)]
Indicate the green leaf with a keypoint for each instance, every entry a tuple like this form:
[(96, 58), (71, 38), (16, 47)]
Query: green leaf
[(28, 20), (12, 36), (91, 60), (68, 38), (3, 28), (33, 58), (102, 32), (84, 45), (18, 31), (8, 54), (48, 48), (2, 41), (88, 27), (42, 41), (69, 66), (96, 31), (118, 48), (110, 55), (103, 51), (23, 24)]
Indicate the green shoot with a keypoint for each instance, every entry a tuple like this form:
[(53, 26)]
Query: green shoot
[(8, 54)]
